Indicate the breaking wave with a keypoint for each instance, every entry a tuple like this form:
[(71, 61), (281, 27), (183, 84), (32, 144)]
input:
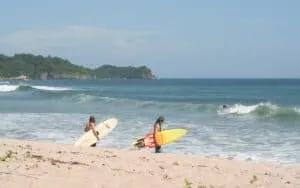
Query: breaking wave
[(48, 88), (259, 110), (262, 109), (11, 88), (8, 88)]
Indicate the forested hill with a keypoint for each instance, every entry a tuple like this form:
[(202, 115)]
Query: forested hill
[(43, 68)]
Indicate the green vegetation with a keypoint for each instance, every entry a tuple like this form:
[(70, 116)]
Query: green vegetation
[(109, 71), (7, 156), (253, 180), (189, 184), (39, 67)]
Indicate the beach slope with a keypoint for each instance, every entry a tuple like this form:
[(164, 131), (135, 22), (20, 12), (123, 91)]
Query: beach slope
[(29, 164)]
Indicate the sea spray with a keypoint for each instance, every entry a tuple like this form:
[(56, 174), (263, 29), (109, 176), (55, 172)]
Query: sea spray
[(8, 88)]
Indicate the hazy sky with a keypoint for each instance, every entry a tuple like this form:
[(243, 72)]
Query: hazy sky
[(225, 38)]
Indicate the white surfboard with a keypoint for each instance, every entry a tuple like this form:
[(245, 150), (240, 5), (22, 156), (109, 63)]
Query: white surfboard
[(103, 128)]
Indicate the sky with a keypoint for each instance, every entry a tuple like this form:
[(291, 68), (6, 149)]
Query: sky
[(176, 39)]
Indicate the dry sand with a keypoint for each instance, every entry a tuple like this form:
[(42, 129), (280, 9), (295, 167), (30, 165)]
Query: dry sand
[(27, 164)]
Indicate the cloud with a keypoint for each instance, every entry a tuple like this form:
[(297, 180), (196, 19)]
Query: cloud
[(71, 40)]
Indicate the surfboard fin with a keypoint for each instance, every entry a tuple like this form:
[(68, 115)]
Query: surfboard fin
[(140, 143)]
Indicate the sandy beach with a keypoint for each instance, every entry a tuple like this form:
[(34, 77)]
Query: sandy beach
[(29, 164)]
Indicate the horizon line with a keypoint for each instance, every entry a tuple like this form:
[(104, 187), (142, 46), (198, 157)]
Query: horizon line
[(229, 78)]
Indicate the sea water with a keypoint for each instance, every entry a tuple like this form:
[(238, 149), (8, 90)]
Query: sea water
[(261, 123)]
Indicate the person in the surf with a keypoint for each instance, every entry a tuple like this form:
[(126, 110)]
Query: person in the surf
[(225, 106), (91, 125), (158, 128)]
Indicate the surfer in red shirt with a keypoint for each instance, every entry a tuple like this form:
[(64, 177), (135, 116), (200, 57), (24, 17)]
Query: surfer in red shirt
[(157, 128), (91, 125)]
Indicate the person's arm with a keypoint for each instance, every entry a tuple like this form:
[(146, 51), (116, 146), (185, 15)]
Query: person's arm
[(86, 128), (156, 130), (93, 127)]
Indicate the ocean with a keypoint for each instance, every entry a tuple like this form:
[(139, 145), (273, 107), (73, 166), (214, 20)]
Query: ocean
[(262, 122)]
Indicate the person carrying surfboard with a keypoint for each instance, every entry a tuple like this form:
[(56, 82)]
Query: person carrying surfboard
[(157, 128), (91, 125)]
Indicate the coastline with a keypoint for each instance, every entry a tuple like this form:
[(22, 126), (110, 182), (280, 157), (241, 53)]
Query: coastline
[(45, 164), (26, 78), (54, 68), (20, 77)]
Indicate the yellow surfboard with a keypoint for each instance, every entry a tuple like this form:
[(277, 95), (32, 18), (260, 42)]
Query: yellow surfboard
[(162, 138), (169, 136)]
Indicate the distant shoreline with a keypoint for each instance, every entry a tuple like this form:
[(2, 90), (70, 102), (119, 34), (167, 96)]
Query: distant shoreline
[(162, 78), (21, 77), (37, 67), (26, 78)]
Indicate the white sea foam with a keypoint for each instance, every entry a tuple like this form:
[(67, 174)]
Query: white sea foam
[(204, 140), (244, 109), (8, 88), (48, 88)]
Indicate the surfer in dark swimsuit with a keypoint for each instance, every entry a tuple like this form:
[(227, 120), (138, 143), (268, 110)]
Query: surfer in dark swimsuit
[(157, 128), (91, 125), (223, 107)]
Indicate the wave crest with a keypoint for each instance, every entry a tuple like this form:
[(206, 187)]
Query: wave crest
[(8, 88), (49, 88), (262, 109), (85, 98), (24, 87)]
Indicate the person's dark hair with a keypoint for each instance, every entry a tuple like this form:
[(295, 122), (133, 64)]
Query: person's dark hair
[(92, 119), (161, 119), (225, 106)]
